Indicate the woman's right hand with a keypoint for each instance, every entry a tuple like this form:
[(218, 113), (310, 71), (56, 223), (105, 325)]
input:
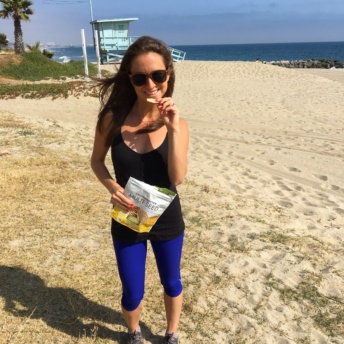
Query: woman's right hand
[(119, 199)]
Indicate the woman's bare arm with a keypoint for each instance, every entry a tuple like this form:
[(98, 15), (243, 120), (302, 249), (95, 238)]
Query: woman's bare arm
[(99, 168)]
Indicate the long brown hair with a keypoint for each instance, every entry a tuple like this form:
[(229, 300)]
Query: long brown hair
[(117, 94)]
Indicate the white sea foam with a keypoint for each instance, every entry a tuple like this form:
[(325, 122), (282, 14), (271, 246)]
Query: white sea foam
[(64, 59)]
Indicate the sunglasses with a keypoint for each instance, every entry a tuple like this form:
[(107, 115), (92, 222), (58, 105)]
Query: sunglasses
[(140, 79)]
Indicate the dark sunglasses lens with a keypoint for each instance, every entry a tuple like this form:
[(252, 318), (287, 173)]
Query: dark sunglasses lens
[(139, 79), (159, 76)]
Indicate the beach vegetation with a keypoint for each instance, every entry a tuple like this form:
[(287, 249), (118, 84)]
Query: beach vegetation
[(34, 47), (20, 11), (47, 53), (32, 91), (53, 90), (3, 40), (276, 237), (37, 47), (326, 312), (33, 66), (236, 245)]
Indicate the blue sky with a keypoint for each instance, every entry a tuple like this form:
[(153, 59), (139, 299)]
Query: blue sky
[(184, 22)]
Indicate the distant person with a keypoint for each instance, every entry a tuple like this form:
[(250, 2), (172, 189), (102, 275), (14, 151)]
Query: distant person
[(148, 142)]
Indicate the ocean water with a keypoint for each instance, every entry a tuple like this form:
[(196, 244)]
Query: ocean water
[(231, 52)]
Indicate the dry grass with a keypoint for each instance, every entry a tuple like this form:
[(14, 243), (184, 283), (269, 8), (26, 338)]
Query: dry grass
[(58, 280), (6, 58)]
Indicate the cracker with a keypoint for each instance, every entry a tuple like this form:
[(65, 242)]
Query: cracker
[(152, 100)]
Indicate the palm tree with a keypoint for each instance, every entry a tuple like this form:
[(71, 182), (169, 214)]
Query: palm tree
[(19, 10)]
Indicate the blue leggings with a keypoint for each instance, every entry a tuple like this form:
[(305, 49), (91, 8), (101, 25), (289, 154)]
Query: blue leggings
[(131, 261)]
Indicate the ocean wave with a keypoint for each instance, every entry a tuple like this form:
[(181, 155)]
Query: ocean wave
[(64, 59)]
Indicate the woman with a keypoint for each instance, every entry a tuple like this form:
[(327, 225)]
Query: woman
[(148, 141)]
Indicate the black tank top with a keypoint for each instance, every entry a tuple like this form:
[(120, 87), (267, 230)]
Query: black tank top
[(151, 168)]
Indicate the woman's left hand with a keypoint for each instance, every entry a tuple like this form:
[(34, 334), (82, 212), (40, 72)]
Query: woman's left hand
[(169, 113)]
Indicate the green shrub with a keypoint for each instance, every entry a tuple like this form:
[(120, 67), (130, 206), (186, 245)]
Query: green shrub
[(3, 40), (47, 53), (35, 66)]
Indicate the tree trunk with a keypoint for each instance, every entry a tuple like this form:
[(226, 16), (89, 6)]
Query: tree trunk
[(18, 37)]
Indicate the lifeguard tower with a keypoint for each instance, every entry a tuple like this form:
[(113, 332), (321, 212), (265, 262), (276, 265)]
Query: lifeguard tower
[(113, 39)]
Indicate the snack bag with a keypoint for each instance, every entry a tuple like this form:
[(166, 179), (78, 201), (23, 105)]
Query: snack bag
[(149, 203)]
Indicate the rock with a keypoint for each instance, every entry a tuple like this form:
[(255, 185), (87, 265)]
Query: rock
[(322, 63)]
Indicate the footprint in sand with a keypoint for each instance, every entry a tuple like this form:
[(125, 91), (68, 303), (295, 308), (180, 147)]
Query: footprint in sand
[(323, 178), (278, 193), (309, 204), (308, 212), (339, 211), (283, 186), (294, 169), (299, 188), (286, 204), (237, 189)]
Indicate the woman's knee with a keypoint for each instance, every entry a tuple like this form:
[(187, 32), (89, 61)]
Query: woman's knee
[(173, 289), (131, 302)]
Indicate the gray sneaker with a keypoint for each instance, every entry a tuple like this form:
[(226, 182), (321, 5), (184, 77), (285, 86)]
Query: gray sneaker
[(170, 339), (135, 338)]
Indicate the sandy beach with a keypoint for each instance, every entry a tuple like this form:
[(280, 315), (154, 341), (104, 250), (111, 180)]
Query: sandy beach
[(263, 203)]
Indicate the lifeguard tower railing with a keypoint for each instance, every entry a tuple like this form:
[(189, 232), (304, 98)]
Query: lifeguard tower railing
[(113, 39), (177, 55)]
